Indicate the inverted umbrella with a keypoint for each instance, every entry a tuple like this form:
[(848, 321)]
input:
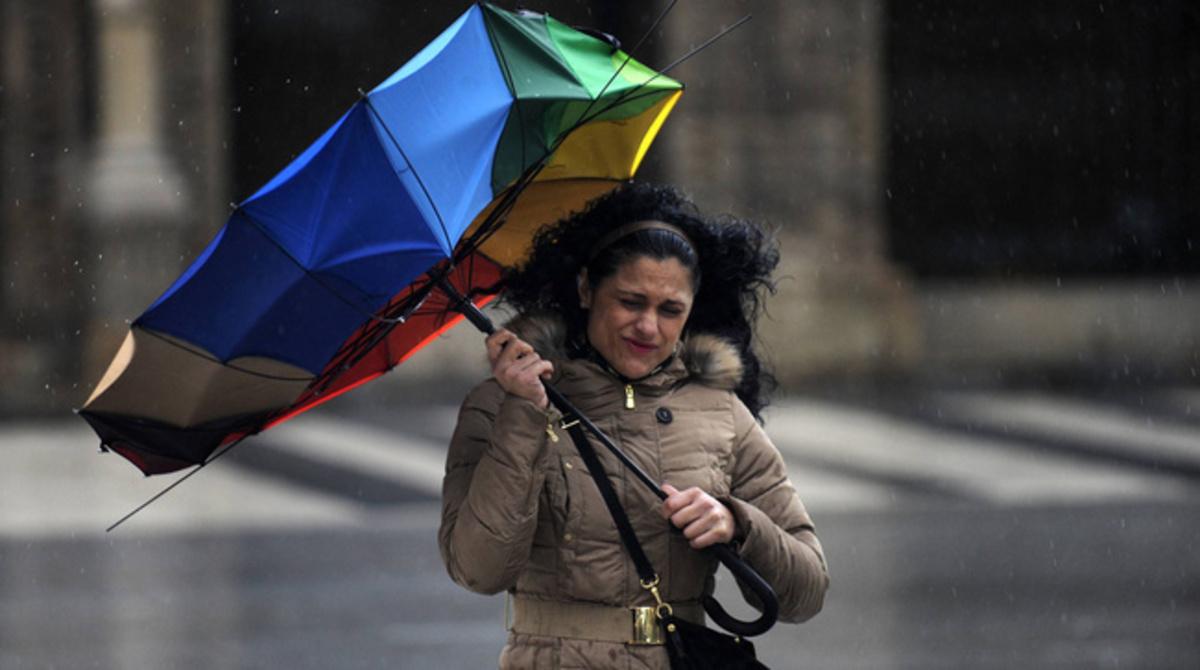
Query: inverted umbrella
[(323, 279)]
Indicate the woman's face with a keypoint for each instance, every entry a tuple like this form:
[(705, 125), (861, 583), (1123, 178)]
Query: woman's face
[(636, 315)]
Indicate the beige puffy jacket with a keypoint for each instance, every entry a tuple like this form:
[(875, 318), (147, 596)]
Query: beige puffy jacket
[(520, 512)]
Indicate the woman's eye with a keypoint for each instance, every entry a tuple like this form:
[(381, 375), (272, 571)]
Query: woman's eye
[(631, 304)]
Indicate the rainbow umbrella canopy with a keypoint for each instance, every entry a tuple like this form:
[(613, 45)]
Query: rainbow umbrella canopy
[(325, 278)]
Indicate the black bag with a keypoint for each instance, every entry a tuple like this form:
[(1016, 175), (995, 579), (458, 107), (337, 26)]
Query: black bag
[(694, 647), (690, 646)]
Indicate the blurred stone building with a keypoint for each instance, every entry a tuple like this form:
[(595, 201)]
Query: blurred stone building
[(963, 193)]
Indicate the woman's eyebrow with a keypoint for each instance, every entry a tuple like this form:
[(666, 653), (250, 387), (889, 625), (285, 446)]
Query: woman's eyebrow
[(626, 293)]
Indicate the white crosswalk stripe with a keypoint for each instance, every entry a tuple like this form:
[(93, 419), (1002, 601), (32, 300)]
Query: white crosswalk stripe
[(1113, 430), (55, 484), (997, 471), (410, 461), (840, 456)]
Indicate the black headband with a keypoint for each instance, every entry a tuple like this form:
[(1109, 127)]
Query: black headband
[(631, 228)]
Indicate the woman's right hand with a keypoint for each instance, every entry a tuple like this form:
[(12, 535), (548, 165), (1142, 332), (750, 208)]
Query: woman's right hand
[(518, 368)]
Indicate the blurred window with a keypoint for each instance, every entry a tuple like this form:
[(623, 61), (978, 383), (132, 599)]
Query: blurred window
[(1044, 138)]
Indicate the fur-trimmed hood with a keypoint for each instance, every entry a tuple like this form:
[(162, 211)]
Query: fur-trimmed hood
[(708, 359)]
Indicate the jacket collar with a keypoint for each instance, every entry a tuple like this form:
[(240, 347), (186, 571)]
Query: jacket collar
[(704, 358)]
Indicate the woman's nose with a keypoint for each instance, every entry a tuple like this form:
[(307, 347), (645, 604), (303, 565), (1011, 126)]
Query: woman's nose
[(646, 325)]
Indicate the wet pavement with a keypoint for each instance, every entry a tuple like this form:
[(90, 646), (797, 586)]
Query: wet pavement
[(1102, 587), (947, 547)]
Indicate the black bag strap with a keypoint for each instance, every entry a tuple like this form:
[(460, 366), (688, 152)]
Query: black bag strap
[(648, 577), (615, 509)]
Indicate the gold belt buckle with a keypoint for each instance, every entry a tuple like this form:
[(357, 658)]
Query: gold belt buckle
[(646, 628)]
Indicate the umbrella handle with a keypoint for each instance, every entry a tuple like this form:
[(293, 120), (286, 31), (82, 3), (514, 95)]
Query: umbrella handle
[(725, 553), (749, 578)]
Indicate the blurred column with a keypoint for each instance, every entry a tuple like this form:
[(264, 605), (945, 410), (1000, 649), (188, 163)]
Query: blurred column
[(157, 188), (42, 126), (782, 121), (138, 199)]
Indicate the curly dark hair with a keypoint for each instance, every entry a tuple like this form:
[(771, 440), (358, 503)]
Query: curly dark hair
[(732, 271)]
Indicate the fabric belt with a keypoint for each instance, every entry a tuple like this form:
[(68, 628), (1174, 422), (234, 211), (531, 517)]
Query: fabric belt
[(590, 621)]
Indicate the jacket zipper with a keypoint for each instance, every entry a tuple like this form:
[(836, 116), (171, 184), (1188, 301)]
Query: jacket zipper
[(629, 404)]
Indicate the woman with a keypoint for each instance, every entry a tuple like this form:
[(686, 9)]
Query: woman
[(640, 311)]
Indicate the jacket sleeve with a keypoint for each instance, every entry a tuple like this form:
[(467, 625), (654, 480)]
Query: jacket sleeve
[(776, 534), (494, 476)]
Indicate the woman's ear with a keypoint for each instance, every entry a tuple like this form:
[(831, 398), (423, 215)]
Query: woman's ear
[(585, 289)]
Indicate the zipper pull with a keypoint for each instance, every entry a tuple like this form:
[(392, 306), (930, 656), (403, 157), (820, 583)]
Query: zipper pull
[(629, 404)]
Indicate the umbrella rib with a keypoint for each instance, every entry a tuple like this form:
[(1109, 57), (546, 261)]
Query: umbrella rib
[(500, 212), (489, 226), (357, 348), (173, 484), (707, 43), (207, 356), (630, 94), (508, 80), (312, 275), (628, 56), (412, 168)]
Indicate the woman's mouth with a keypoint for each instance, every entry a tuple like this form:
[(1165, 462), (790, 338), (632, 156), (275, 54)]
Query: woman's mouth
[(640, 347)]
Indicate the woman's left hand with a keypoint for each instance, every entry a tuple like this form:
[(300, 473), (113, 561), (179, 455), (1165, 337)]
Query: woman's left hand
[(704, 519)]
